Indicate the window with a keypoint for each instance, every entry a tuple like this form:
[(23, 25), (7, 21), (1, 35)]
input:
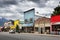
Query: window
[(31, 20), (55, 27), (26, 21)]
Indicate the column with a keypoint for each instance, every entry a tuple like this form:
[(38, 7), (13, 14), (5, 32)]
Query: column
[(39, 29)]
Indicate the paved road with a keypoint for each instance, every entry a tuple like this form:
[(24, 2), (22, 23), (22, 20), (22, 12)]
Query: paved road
[(22, 36)]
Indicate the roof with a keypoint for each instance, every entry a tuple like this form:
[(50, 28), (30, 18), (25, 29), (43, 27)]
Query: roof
[(29, 10), (42, 19), (27, 25)]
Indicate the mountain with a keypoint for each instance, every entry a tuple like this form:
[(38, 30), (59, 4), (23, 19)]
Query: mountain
[(2, 20)]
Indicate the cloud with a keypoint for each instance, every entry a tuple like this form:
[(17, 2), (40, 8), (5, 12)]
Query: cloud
[(13, 9), (40, 3), (36, 1), (6, 15), (4, 3), (52, 3), (11, 12), (45, 10)]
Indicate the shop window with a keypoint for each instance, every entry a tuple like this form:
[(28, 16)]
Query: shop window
[(55, 27), (26, 21), (31, 20)]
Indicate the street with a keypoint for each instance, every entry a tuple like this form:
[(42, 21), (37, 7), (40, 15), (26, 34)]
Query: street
[(26, 36)]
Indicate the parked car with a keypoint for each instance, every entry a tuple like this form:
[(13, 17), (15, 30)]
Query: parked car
[(11, 31)]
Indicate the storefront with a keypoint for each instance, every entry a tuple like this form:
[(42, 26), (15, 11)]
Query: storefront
[(27, 28), (55, 24), (43, 25), (28, 25)]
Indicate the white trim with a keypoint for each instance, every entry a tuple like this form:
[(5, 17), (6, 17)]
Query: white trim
[(57, 23)]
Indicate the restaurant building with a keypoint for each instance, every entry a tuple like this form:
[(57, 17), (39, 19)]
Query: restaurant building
[(55, 24)]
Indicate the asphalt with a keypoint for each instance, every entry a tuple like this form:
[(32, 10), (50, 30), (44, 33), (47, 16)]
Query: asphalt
[(27, 36)]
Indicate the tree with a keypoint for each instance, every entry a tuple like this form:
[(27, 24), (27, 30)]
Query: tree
[(56, 11), (17, 28)]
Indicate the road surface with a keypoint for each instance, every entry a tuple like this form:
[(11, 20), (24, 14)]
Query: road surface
[(26, 36)]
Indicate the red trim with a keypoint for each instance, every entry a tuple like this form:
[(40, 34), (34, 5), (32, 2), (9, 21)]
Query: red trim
[(55, 18)]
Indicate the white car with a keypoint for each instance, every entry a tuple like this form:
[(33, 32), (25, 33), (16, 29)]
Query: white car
[(11, 31)]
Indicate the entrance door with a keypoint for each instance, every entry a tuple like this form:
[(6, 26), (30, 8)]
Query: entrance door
[(41, 30), (47, 30)]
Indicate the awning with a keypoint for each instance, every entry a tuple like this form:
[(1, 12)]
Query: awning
[(55, 19), (27, 25)]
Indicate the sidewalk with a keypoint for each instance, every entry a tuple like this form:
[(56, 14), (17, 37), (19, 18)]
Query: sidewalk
[(38, 34), (51, 35)]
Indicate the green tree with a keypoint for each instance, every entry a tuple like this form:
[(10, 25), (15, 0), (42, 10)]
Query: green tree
[(56, 11), (17, 28)]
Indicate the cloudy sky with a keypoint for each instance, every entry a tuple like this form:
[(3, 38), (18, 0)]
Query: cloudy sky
[(13, 9)]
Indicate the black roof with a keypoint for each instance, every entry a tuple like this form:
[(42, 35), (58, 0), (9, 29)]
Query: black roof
[(29, 10)]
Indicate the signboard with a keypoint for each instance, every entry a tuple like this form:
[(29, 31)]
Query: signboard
[(55, 18), (29, 17)]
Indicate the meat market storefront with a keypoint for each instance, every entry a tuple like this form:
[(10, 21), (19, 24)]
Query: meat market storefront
[(55, 24)]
